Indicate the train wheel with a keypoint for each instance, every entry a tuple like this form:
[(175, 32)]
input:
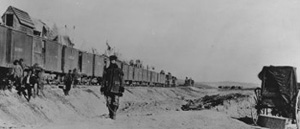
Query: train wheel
[(298, 110)]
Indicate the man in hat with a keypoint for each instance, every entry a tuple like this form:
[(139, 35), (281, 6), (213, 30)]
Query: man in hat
[(38, 71), (17, 73), (112, 86), (29, 81), (68, 82)]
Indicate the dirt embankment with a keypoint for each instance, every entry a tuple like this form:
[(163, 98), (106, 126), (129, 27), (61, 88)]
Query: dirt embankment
[(140, 107)]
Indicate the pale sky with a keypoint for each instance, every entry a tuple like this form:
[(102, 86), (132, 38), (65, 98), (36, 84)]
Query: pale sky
[(208, 40)]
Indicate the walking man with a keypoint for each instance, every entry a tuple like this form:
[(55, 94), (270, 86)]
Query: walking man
[(68, 82), (112, 86)]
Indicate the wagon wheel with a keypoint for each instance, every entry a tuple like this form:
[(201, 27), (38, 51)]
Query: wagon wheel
[(298, 110)]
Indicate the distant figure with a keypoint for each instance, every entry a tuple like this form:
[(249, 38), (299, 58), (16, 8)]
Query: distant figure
[(41, 82), (68, 82), (29, 81), (24, 66), (131, 63), (21, 63), (169, 79), (75, 78), (112, 86), (173, 81), (186, 82), (39, 74), (191, 81), (17, 75)]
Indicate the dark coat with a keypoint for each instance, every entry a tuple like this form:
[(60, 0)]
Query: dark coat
[(113, 80), (68, 79), (32, 80)]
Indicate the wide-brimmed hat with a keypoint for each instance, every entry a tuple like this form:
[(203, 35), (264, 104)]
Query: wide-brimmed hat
[(113, 57)]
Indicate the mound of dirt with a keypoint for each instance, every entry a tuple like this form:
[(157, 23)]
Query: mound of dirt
[(210, 101)]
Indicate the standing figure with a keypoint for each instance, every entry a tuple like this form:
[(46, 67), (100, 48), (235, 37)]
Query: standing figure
[(29, 81), (21, 63), (75, 78), (192, 82), (39, 74), (17, 73), (68, 82), (186, 81), (40, 82), (112, 86)]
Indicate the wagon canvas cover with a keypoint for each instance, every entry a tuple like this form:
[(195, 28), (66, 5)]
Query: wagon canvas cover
[(279, 87)]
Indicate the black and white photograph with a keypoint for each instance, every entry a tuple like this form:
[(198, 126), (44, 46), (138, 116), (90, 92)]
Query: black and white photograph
[(149, 64)]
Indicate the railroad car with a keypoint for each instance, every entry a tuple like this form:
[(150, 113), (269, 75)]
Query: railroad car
[(125, 68), (153, 78), (53, 57), (86, 63), (19, 39), (98, 66), (70, 58), (38, 51), (3, 46), (20, 46), (130, 75), (58, 59), (149, 77), (144, 76)]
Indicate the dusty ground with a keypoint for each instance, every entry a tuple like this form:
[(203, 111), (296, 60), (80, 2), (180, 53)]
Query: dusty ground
[(141, 108)]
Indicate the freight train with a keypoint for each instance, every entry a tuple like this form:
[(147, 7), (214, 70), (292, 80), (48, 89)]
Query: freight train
[(19, 39)]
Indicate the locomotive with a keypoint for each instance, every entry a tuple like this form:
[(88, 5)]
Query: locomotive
[(20, 38)]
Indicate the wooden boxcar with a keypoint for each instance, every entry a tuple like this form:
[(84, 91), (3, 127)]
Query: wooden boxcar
[(19, 46), (125, 69), (130, 73), (3, 43), (144, 75), (69, 59), (149, 76), (86, 62), (153, 77), (162, 79), (158, 79), (137, 75), (98, 65), (53, 56), (38, 51)]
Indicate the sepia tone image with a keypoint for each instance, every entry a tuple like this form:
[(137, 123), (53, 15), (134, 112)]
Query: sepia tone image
[(149, 64)]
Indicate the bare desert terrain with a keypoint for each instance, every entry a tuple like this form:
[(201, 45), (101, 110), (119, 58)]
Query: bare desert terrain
[(140, 108)]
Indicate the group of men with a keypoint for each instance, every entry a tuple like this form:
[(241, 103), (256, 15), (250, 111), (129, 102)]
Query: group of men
[(189, 82), (28, 80), (112, 84)]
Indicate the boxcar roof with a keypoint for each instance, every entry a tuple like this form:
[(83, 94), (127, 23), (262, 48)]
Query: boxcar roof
[(22, 16)]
